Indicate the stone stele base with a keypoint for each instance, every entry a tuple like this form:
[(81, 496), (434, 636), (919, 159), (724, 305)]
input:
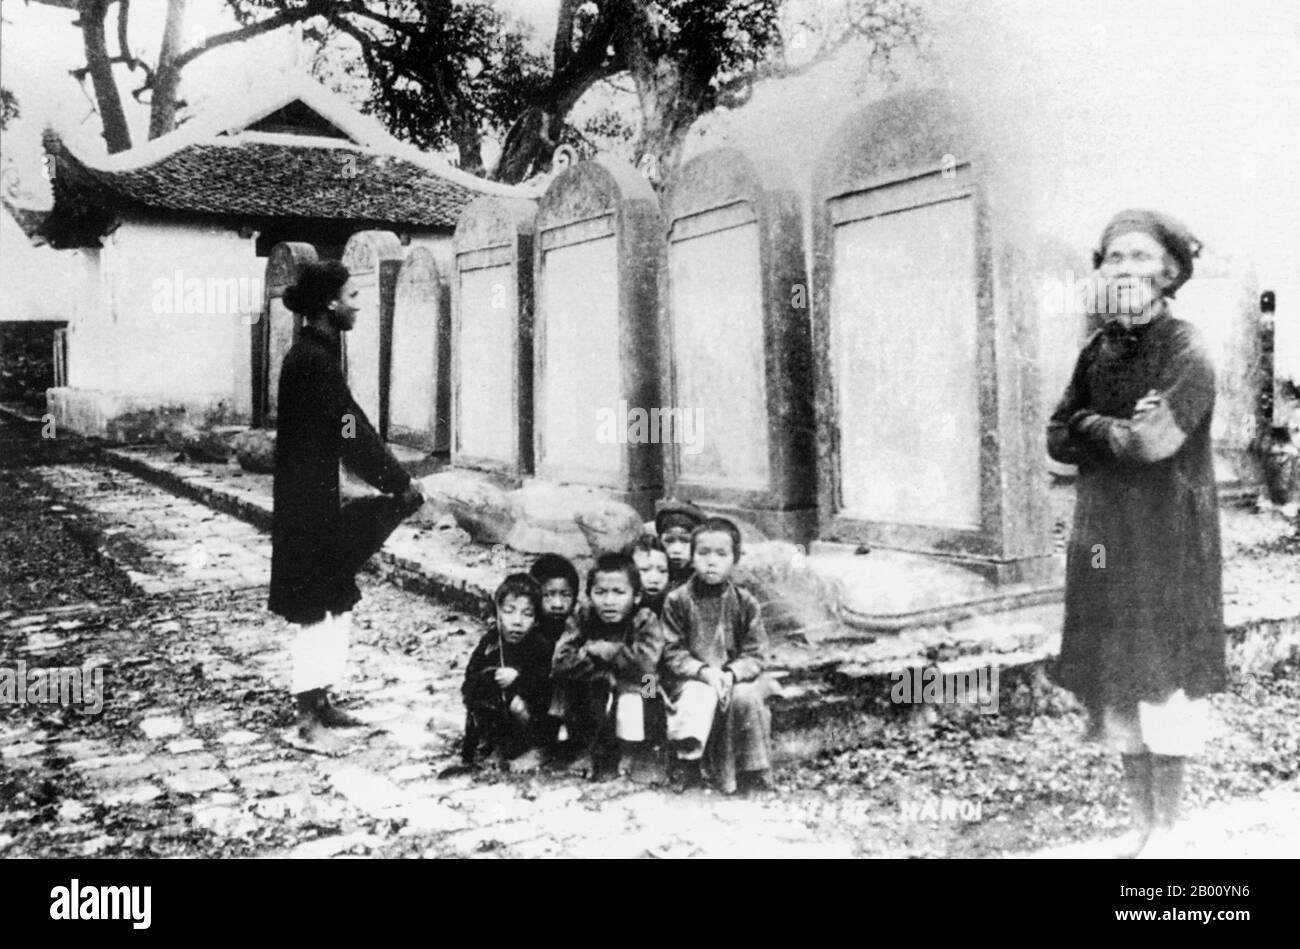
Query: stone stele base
[(891, 590)]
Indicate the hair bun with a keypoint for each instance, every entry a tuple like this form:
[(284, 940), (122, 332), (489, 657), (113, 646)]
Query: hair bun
[(292, 299)]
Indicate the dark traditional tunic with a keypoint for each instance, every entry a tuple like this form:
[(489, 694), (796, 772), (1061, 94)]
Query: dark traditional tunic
[(315, 550), (1143, 596), (722, 626), (489, 726)]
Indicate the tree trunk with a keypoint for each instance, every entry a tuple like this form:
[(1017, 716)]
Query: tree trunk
[(167, 77), (529, 144), (117, 134), (469, 146), (535, 134), (672, 95)]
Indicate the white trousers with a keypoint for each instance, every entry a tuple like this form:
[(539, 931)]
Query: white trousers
[(629, 717), (692, 721), (319, 653), (1176, 726)]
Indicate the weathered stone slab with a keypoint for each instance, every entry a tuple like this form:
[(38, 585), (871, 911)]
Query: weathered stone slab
[(419, 401), (373, 259), (598, 254), (735, 299), (274, 334), (930, 427), (492, 336)]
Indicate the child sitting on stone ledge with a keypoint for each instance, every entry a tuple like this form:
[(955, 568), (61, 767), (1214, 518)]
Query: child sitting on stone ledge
[(605, 666), (507, 681), (673, 524), (713, 669), (558, 579)]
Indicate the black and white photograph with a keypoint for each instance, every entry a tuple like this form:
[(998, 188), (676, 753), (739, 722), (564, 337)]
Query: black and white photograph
[(669, 429)]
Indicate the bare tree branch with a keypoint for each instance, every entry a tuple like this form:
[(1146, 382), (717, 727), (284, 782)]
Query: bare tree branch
[(312, 9)]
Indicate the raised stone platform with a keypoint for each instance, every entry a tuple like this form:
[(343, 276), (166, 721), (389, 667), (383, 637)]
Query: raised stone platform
[(892, 590)]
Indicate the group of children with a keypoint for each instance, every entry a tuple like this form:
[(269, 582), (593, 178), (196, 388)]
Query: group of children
[(664, 654)]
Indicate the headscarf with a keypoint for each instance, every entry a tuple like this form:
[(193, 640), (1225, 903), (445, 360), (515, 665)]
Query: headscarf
[(1170, 233)]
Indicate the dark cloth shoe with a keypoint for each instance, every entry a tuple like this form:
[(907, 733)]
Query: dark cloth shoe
[(686, 776), (332, 717), (755, 782)]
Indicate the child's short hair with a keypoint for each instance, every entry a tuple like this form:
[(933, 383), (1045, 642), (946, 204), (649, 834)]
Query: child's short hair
[(718, 525), (555, 567), (647, 543), (519, 584), (615, 563)]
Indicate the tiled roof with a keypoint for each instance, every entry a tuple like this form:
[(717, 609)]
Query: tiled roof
[(29, 219), (264, 179)]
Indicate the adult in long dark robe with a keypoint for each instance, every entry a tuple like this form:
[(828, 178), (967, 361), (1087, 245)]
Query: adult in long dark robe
[(317, 546), (1143, 637)]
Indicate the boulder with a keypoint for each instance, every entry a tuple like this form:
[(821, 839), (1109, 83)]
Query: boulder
[(546, 521), (607, 525), (143, 425), (478, 504), (209, 444), (795, 599), (255, 450), (571, 520)]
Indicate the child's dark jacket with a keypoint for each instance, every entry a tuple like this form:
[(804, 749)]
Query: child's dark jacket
[(531, 658), (639, 637)]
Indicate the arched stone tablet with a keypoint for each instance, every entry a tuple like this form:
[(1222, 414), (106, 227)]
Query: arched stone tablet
[(492, 336), (599, 250), (417, 403), (372, 258), (278, 328), (736, 304), (930, 423)]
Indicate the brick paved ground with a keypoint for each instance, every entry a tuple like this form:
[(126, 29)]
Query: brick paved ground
[(197, 753)]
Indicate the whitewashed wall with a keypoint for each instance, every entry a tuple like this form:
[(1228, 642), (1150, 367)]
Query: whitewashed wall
[(164, 312)]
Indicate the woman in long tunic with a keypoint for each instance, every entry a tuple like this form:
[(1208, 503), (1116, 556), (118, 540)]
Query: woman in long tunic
[(317, 546), (1143, 641)]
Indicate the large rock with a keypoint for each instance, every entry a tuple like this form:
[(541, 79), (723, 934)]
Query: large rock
[(607, 525), (209, 444), (143, 425), (571, 520), (255, 450), (537, 518), (480, 506), (546, 523), (795, 599)]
